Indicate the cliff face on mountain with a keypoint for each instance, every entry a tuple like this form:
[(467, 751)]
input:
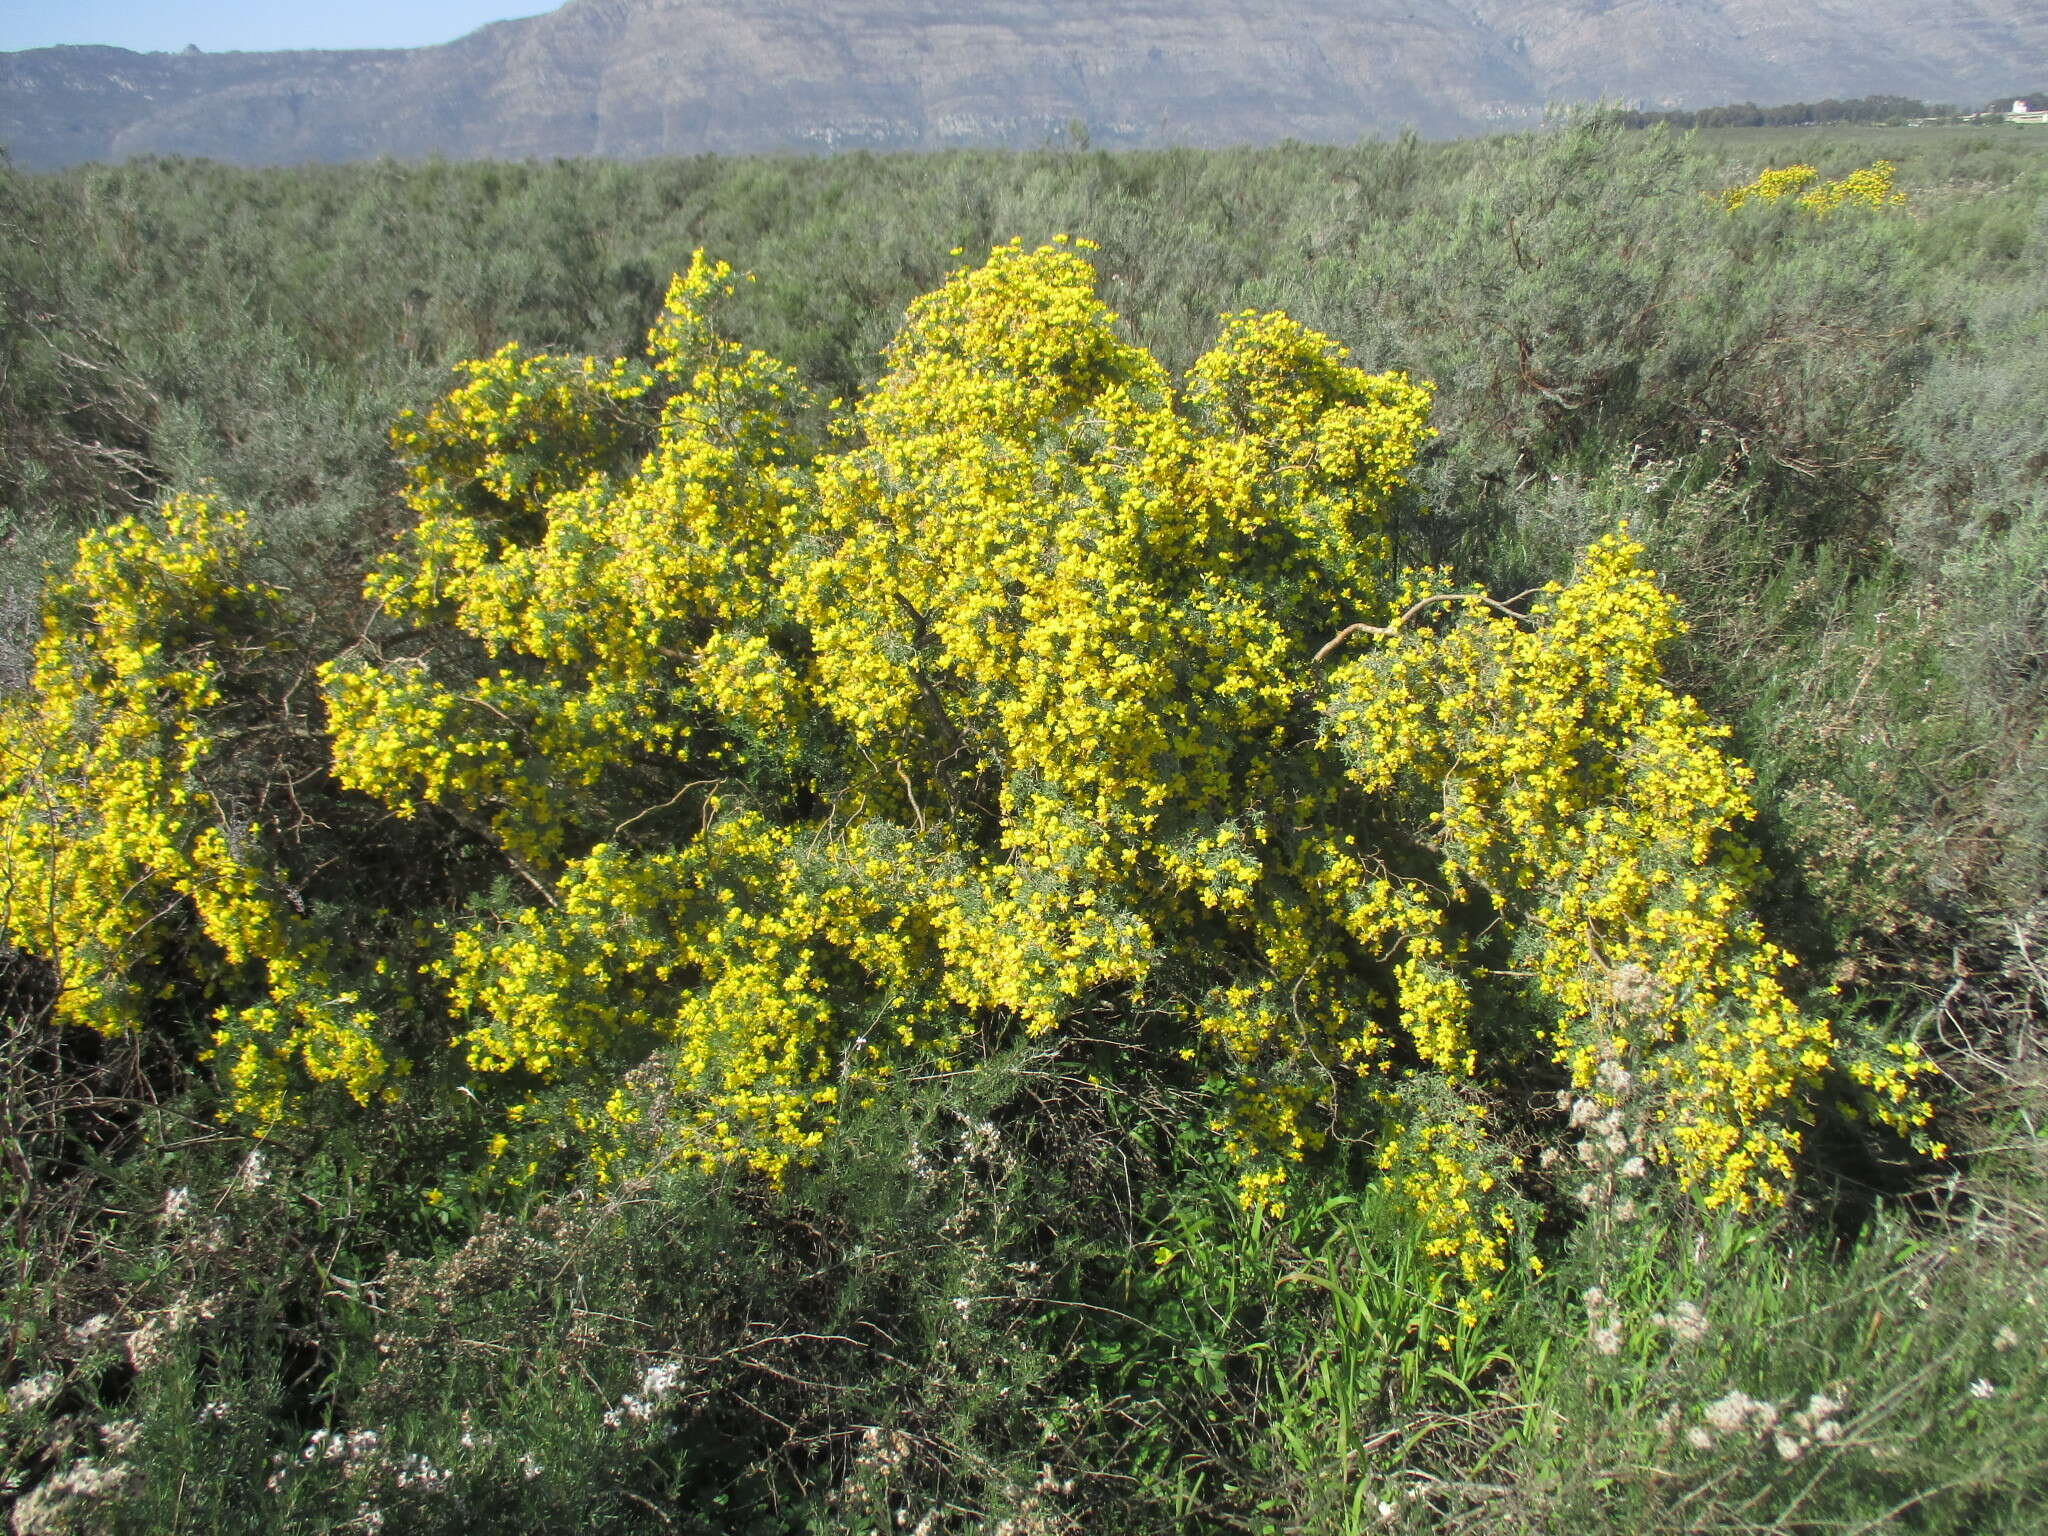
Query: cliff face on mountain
[(632, 78)]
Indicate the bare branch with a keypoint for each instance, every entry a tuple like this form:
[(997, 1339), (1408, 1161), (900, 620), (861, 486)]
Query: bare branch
[(1439, 597)]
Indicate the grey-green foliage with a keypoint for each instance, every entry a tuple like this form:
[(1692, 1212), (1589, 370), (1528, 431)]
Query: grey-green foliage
[(1975, 429), (1684, 1379), (1973, 530), (904, 1326), (74, 416)]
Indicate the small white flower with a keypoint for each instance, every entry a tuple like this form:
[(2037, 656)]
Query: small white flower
[(1982, 1388), (1612, 1075), (352, 1449), (1700, 1438), (1688, 1322), (1634, 1168), (177, 1203), (1731, 1413), (120, 1435), (418, 1472), (1607, 1341), (33, 1392), (660, 1380), (1788, 1448), (255, 1170), (2005, 1338), (1827, 1431), (658, 1383), (52, 1504)]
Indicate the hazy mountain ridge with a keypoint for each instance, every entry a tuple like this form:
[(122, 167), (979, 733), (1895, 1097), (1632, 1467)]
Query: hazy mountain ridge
[(632, 78)]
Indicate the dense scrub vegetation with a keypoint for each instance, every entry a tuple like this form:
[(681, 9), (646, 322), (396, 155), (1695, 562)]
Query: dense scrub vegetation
[(969, 922), (1893, 110)]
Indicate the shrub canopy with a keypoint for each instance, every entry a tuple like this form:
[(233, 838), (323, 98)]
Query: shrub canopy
[(1046, 696)]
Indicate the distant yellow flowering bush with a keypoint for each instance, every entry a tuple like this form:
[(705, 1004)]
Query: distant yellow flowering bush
[(1051, 689), (1871, 187)]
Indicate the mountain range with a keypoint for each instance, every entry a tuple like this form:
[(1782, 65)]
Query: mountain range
[(635, 78)]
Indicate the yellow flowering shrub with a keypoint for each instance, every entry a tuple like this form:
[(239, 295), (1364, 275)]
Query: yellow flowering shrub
[(1051, 690), (1870, 187)]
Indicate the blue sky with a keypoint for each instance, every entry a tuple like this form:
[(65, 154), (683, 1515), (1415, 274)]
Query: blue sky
[(220, 25)]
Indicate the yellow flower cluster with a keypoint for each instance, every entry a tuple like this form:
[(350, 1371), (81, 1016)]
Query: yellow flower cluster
[(1444, 1170), (1057, 599), (1051, 620), (1770, 186), (807, 982), (117, 842), (623, 606), (1870, 187), (1594, 808)]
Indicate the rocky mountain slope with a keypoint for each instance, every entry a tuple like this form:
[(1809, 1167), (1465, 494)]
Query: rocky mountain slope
[(631, 78)]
